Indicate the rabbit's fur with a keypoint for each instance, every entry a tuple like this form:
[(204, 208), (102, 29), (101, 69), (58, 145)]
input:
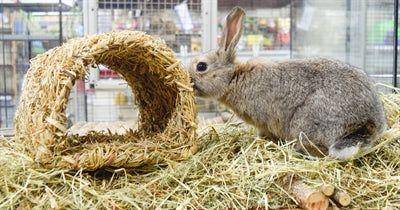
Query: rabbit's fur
[(333, 108)]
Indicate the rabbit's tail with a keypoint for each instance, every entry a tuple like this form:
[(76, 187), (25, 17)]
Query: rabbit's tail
[(352, 144)]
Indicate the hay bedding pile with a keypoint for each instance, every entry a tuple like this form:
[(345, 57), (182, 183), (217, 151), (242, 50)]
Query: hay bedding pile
[(232, 169)]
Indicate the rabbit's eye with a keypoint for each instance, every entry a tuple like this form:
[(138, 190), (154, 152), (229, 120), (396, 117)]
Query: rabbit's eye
[(201, 66)]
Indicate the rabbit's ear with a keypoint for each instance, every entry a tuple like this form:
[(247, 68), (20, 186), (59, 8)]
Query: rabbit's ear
[(232, 30)]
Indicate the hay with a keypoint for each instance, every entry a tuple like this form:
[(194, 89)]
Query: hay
[(232, 169), (167, 123)]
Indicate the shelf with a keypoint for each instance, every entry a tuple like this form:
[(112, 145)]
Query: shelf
[(35, 7), (9, 37), (112, 84), (381, 47), (382, 75)]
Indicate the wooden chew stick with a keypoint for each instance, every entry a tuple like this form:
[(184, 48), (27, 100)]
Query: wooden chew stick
[(341, 198), (306, 197), (327, 189)]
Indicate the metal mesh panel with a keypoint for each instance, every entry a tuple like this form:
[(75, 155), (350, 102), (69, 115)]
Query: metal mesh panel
[(357, 32), (319, 29), (379, 46), (26, 30), (110, 98), (157, 18)]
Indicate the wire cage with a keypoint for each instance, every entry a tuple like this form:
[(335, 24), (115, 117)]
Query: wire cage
[(156, 18), (380, 40), (28, 29), (108, 96), (357, 32)]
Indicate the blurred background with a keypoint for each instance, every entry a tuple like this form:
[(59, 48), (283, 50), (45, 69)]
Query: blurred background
[(362, 33)]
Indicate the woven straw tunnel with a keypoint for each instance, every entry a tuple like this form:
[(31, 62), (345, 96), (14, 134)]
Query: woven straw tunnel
[(167, 119)]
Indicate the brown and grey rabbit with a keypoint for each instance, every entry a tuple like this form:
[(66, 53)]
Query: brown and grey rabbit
[(335, 105)]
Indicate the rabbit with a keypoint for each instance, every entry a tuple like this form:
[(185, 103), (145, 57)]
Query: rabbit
[(331, 107)]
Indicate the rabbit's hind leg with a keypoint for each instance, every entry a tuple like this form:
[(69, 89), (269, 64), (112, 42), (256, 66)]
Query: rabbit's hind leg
[(347, 147)]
